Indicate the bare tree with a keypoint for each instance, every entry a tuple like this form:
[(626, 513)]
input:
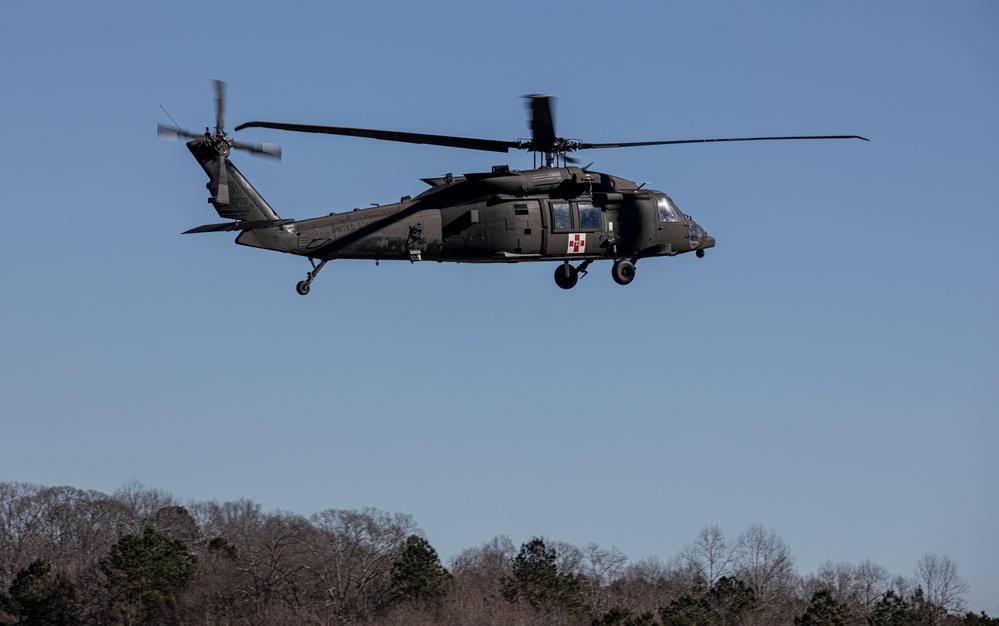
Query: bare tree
[(477, 596), (707, 558), (645, 585), (937, 575), (143, 503), (860, 586), (764, 562), (351, 558), (21, 528), (599, 568)]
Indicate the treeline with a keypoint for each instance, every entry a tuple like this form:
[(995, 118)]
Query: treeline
[(138, 556)]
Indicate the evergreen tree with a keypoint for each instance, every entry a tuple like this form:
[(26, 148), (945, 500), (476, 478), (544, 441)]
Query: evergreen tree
[(824, 610), (891, 610), (686, 611), (37, 598), (537, 579), (624, 617), (418, 573), (731, 601), (980, 619), (148, 572)]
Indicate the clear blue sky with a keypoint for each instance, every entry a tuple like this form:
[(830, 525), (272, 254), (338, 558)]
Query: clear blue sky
[(828, 370)]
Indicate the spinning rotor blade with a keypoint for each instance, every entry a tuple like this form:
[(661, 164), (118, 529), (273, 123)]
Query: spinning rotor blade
[(266, 149), (542, 123), (166, 132), (219, 104), (543, 138), (489, 145), (587, 146)]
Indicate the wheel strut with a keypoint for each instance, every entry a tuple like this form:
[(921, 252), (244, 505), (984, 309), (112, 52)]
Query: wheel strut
[(303, 286)]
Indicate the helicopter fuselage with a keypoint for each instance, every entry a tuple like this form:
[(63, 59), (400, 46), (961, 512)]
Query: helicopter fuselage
[(550, 214)]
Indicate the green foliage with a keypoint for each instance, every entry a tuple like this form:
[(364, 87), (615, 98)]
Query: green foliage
[(686, 611), (418, 573), (219, 545), (148, 571), (824, 610), (922, 612), (618, 616), (980, 619), (890, 610), (728, 603), (731, 601), (37, 598), (536, 578)]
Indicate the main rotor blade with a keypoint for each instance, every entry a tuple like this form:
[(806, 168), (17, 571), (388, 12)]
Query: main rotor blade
[(587, 146), (542, 122), (489, 145)]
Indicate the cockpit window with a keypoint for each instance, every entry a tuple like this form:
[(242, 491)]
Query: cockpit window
[(667, 210)]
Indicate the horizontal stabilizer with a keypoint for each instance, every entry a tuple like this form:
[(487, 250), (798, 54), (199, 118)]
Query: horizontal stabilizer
[(231, 226)]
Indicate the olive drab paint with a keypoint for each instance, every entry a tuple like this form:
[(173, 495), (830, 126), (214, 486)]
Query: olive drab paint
[(555, 212)]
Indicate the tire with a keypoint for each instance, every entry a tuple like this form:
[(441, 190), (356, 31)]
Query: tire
[(303, 288), (623, 272), (566, 276)]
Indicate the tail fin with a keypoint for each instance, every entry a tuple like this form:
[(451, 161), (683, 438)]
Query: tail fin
[(243, 202)]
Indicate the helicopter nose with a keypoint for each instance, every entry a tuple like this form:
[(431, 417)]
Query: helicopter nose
[(709, 242)]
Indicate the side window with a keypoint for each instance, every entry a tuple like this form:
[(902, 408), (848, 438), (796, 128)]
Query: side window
[(667, 212), (561, 216), (589, 216)]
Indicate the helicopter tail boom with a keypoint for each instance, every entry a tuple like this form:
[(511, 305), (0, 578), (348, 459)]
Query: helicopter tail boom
[(235, 197), (258, 224)]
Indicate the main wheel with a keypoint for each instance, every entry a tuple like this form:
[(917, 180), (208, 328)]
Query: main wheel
[(303, 288), (566, 276), (623, 271)]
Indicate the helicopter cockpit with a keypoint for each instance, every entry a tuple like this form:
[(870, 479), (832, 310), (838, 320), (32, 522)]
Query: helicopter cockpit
[(669, 213), (667, 210)]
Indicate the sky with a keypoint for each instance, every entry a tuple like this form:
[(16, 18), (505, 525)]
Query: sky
[(829, 370)]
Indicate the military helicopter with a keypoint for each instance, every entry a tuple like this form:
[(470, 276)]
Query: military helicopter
[(555, 211)]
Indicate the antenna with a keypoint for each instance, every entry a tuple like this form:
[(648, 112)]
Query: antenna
[(171, 119)]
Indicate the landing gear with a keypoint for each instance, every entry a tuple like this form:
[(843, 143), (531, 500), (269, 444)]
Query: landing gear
[(623, 271), (303, 286), (566, 276)]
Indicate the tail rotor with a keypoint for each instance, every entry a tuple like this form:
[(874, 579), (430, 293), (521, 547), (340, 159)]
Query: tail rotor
[(220, 142)]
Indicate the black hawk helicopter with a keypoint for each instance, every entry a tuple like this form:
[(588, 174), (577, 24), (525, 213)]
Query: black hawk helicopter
[(554, 212)]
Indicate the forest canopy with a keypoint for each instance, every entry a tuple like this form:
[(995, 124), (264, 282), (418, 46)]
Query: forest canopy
[(140, 556)]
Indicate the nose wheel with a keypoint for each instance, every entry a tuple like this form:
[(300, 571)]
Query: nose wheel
[(304, 286)]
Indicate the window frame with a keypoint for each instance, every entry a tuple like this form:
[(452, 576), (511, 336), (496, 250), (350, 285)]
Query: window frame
[(556, 227), (576, 216)]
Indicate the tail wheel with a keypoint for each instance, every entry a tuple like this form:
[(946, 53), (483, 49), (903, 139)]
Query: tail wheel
[(623, 271)]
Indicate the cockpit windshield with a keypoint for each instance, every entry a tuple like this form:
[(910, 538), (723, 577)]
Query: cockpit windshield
[(667, 210)]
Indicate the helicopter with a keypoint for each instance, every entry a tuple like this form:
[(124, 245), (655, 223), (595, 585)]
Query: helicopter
[(555, 211)]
